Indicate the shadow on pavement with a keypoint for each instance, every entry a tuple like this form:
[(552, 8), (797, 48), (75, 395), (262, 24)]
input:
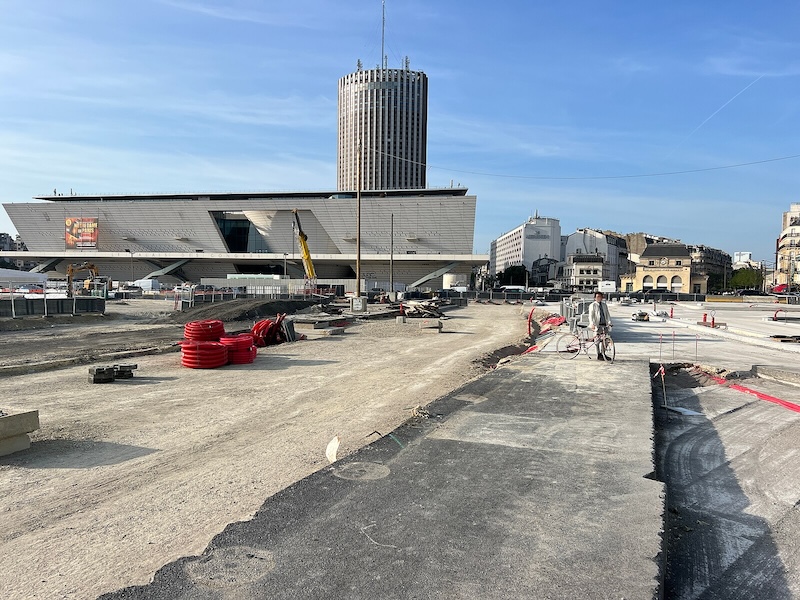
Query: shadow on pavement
[(714, 547)]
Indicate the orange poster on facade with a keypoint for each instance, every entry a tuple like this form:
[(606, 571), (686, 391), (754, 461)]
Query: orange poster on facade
[(80, 232)]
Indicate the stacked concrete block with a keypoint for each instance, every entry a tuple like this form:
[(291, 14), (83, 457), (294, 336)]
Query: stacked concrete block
[(124, 371), (101, 374), (107, 374), (14, 430)]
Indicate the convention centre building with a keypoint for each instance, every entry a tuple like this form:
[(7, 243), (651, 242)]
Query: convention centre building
[(420, 235)]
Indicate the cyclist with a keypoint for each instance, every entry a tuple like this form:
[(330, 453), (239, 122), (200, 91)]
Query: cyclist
[(599, 321)]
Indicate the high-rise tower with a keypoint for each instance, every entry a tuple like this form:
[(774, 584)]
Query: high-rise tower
[(385, 112)]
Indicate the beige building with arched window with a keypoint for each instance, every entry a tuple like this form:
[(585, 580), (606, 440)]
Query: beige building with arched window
[(665, 268), (787, 251)]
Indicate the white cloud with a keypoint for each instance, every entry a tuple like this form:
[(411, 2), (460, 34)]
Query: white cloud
[(455, 135), (750, 66), (13, 63), (301, 14), (229, 13), (40, 164), (630, 65)]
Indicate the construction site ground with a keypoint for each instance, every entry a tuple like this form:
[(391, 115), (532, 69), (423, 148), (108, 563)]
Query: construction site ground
[(124, 477), (544, 478)]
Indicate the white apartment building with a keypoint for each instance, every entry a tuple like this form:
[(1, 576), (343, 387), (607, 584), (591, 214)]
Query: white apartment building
[(590, 256), (744, 260), (539, 237)]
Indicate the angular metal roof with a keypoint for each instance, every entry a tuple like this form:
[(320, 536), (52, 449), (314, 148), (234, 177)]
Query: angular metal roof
[(668, 250)]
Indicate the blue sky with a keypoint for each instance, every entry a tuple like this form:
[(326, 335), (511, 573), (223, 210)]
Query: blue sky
[(555, 107)]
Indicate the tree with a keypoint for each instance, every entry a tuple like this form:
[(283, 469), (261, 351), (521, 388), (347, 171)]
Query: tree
[(516, 275), (715, 281), (747, 278)]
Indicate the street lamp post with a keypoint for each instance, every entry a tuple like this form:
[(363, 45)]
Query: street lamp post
[(769, 274), (358, 225), (129, 251), (285, 254)]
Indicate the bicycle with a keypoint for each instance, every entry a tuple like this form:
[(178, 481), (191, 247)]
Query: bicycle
[(570, 345)]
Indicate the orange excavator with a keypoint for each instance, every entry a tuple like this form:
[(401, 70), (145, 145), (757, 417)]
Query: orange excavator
[(94, 273)]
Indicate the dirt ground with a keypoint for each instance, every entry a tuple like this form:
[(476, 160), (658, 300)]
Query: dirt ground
[(126, 326), (125, 477)]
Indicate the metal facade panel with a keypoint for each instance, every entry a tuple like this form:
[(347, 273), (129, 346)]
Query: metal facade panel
[(158, 230), (422, 224)]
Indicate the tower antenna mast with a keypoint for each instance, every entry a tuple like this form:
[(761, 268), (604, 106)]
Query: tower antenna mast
[(383, 32)]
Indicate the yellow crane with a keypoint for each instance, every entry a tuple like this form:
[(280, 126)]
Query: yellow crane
[(308, 266)]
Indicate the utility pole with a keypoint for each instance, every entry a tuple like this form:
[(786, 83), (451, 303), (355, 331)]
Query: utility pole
[(131, 256), (391, 259), (358, 226)]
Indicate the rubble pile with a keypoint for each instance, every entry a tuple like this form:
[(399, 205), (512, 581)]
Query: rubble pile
[(426, 309)]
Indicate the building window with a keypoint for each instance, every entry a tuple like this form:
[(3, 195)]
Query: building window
[(678, 263), (651, 263)]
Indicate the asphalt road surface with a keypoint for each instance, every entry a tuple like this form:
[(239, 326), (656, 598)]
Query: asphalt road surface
[(125, 477)]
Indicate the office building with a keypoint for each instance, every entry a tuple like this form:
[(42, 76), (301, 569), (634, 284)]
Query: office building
[(383, 125), (537, 238)]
